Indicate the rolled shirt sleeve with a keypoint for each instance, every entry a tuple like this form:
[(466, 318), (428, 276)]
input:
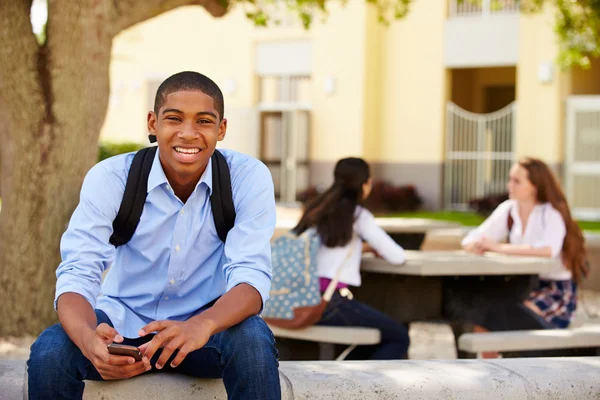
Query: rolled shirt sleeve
[(85, 249), (367, 228), (495, 227), (248, 244)]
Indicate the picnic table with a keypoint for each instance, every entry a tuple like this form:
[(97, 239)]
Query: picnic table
[(414, 291), (458, 263), (408, 232)]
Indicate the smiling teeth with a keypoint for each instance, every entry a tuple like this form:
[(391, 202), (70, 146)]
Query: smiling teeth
[(186, 151)]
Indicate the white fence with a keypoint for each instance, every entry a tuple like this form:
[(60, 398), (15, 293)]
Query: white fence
[(582, 156), (480, 149), (466, 8)]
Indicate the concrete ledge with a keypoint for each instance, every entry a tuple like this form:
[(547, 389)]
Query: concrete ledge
[(13, 379), (529, 378)]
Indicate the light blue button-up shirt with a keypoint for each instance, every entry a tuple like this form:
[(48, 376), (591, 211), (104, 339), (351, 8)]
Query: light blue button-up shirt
[(175, 263)]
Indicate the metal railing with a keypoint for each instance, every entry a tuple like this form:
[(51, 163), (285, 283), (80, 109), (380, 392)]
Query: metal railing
[(480, 149), (467, 8)]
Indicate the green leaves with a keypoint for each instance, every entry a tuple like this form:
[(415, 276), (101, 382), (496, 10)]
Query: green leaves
[(578, 30), (577, 22), (267, 12)]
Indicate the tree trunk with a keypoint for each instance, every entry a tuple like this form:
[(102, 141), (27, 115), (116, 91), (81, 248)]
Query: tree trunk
[(53, 104), (53, 100)]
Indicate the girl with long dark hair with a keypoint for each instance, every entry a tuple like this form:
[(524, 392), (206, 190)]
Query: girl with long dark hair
[(343, 225)]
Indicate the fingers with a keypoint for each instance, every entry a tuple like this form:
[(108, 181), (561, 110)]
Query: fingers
[(114, 372), (122, 367), (158, 341), (168, 351), (120, 360), (183, 352), (154, 326), (108, 334), (143, 347), (475, 248)]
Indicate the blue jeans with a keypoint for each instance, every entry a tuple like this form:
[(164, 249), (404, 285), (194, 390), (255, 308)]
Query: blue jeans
[(244, 356), (394, 336)]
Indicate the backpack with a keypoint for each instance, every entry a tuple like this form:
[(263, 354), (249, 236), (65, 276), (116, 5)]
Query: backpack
[(295, 300), (136, 190)]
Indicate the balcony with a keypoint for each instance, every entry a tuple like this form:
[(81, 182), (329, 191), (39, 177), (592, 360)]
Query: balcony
[(482, 33)]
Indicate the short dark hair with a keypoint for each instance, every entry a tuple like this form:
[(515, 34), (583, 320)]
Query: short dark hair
[(189, 81)]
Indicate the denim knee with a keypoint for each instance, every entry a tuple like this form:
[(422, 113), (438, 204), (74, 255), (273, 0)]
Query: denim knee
[(249, 361), (53, 351), (250, 343)]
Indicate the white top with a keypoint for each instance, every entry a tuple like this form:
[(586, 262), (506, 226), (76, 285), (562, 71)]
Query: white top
[(330, 259), (545, 228)]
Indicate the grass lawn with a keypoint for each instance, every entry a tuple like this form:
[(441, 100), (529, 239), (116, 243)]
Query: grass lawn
[(473, 219)]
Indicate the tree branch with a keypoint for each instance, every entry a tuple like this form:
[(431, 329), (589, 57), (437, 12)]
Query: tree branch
[(131, 12)]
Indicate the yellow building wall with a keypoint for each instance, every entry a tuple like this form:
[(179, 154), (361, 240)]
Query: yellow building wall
[(540, 118), (339, 51), (188, 38), (413, 93), (391, 85), (373, 81)]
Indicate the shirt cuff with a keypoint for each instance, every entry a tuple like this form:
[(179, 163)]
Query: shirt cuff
[(74, 284), (553, 250), (258, 280), (468, 240)]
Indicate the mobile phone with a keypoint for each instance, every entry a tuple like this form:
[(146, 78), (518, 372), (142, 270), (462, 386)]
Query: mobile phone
[(124, 350)]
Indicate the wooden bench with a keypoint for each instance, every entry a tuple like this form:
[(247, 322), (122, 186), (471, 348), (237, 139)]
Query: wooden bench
[(587, 335), (327, 336)]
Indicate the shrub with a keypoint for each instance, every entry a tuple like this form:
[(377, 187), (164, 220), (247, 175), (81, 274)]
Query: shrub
[(384, 197), (106, 149), (485, 205)]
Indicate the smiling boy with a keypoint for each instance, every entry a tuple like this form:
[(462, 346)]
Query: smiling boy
[(175, 290)]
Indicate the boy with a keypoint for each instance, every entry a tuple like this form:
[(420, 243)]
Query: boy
[(176, 291)]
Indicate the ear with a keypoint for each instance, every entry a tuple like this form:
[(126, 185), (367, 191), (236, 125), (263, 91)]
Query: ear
[(152, 119), (222, 130)]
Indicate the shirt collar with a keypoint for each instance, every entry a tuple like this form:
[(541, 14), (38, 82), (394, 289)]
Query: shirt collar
[(207, 177), (157, 175)]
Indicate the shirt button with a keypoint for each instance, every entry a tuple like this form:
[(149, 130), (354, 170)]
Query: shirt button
[(177, 248), (172, 281), (181, 212), (166, 297)]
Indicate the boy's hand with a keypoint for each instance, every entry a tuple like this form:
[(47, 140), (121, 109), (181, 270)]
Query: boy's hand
[(186, 336), (110, 366)]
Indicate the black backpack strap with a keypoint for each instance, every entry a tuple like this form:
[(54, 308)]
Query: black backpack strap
[(134, 198), (221, 199)]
